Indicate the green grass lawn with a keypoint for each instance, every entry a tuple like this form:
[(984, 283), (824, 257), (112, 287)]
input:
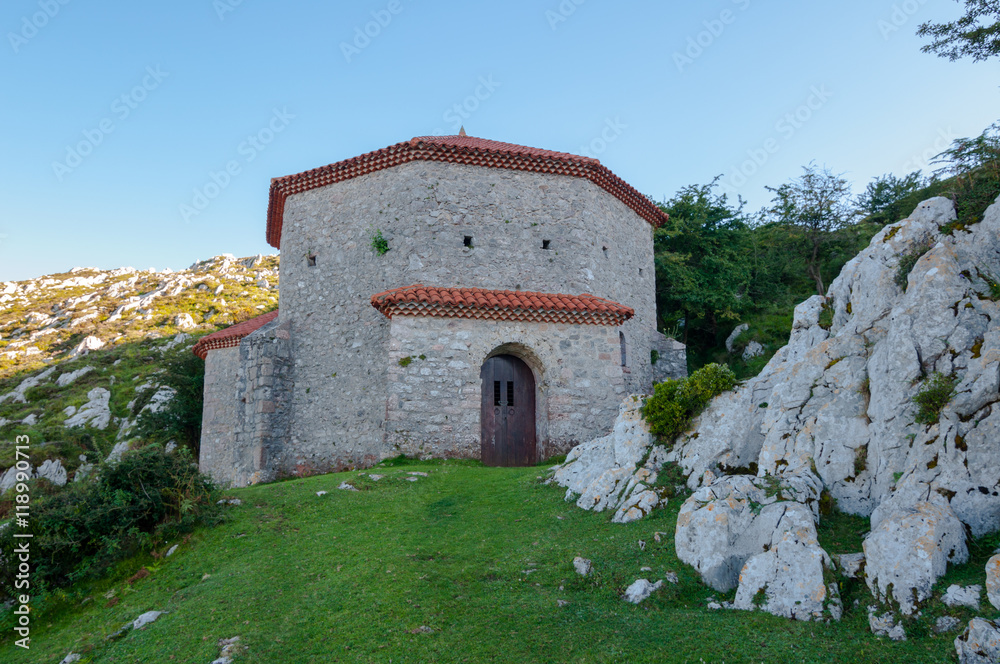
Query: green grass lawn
[(353, 576)]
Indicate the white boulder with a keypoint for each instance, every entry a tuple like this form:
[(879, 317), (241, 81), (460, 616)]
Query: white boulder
[(184, 322), (885, 625), (146, 618), (722, 525), (9, 478), (968, 596), (851, 565), (979, 643), (837, 403), (731, 339), (53, 471), (95, 413), (910, 549), (993, 581), (89, 344), (640, 590), (582, 566), (787, 579), (70, 377)]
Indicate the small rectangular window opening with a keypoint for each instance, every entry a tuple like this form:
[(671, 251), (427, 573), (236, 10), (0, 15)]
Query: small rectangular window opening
[(605, 250), (468, 241), (640, 271), (621, 340), (545, 244), (496, 393), (510, 394), (311, 260)]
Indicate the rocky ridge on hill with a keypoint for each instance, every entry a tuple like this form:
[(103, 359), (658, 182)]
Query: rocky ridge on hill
[(884, 404), (82, 352)]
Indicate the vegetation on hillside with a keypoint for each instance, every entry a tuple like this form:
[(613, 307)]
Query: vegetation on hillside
[(132, 504), (718, 265)]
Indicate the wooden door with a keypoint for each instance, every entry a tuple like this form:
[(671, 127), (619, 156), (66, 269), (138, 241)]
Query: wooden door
[(508, 412)]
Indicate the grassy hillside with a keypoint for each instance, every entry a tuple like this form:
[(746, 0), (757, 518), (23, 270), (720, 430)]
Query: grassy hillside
[(468, 564)]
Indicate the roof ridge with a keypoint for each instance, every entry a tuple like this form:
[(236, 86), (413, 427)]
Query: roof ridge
[(441, 148), (524, 306)]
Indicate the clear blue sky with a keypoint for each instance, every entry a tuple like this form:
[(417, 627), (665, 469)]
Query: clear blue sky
[(161, 95)]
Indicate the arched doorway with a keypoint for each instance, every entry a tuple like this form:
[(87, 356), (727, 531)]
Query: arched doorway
[(508, 412)]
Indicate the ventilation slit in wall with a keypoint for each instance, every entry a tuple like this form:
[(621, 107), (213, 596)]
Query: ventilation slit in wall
[(545, 244), (605, 250), (311, 260), (468, 241)]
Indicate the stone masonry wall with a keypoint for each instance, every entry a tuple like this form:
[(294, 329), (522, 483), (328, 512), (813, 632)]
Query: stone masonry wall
[(426, 210), (672, 360), (261, 452), (434, 401), (220, 416)]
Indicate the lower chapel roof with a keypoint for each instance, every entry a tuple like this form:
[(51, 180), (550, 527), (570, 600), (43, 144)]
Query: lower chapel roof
[(483, 304), (473, 303)]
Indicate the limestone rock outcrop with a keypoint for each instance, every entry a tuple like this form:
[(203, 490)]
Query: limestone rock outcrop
[(617, 471), (834, 409), (95, 413)]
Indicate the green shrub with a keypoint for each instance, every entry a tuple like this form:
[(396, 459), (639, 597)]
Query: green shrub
[(937, 391), (906, 263), (180, 419), (675, 402), (379, 244), (78, 532)]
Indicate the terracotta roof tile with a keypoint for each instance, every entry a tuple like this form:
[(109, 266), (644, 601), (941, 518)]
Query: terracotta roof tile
[(231, 336), (459, 150), (483, 304)]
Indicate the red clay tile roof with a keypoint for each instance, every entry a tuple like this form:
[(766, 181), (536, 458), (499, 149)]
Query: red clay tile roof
[(483, 304), (231, 336), (458, 150)]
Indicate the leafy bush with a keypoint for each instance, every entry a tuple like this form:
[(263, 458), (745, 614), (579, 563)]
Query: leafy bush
[(144, 498), (675, 402), (906, 263), (180, 419), (937, 391), (379, 244), (974, 167)]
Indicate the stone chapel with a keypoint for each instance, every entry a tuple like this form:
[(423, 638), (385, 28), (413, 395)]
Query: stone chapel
[(448, 296)]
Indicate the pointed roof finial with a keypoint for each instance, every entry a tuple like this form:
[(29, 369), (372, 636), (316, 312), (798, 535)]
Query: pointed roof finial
[(461, 132)]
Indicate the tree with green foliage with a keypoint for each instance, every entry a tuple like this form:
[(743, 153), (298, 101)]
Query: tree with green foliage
[(976, 34), (973, 164), (702, 271), (882, 200), (180, 419), (814, 205)]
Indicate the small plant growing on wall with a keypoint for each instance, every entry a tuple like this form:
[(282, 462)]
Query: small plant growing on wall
[(906, 264), (935, 394), (379, 244)]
